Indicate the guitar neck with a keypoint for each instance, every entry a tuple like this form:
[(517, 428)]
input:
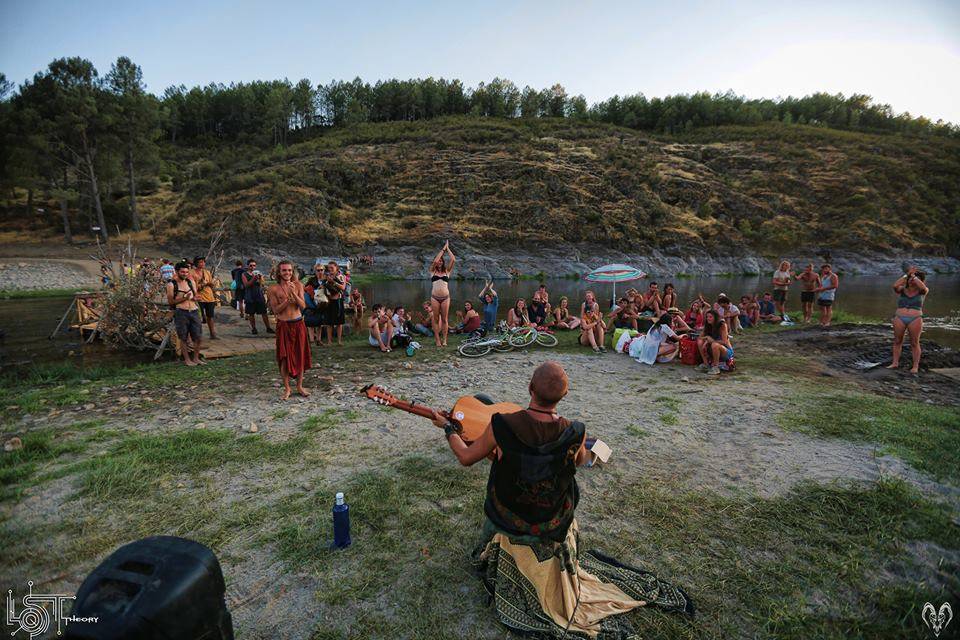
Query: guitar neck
[(421, 410)]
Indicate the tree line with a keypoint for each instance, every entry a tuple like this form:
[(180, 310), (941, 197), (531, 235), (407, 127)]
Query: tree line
[(68, 131)]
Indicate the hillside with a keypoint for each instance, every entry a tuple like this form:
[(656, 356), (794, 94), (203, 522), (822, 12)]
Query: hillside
[(529, 185), (499, 182)]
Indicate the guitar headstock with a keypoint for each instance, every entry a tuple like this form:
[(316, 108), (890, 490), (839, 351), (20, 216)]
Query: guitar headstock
[(379, 393)]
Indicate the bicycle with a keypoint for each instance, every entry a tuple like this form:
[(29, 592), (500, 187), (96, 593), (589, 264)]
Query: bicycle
[(478, 346), (525, 336)]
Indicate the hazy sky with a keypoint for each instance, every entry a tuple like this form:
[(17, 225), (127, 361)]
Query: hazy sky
[(905, 53)]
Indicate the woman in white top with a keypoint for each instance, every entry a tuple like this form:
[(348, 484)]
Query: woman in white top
[(656, 343), (781, 284)]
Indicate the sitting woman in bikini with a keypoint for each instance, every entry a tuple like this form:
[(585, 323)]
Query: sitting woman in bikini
[(909, 316), (440, 294), (592, 330), (589, 304), (562, 318), (518, 316), (669, 298)]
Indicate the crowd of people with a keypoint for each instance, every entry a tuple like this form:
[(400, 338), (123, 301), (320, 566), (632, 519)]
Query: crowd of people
[(650, 325)]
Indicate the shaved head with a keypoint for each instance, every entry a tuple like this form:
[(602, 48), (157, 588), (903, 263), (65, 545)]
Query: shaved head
[(549, 383)]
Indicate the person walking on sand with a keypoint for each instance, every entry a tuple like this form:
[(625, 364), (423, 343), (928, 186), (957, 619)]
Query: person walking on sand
[(181, 296), (909, 315), (810, 280), (827, 293), (440, 271), (293, 346), (781, 284), (253, 301)]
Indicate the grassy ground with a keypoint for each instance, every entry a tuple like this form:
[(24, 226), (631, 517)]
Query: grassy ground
[(833, 560)]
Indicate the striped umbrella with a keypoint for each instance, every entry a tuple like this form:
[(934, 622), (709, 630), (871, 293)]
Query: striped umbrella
[(615, 273)]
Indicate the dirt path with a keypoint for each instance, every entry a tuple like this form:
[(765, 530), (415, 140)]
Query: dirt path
[(667, 424)]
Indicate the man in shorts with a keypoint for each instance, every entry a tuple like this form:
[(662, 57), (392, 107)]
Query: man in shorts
[(827, 293), (781, 284), (205, 296), (181, 296), (810, 281)]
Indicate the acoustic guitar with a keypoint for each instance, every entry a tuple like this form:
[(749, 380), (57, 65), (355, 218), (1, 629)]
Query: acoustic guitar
[(469, 413)]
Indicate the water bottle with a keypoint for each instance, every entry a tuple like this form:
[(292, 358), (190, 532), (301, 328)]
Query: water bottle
[(341, 523)]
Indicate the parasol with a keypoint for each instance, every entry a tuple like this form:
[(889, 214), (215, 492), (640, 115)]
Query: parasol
[(615, 273)]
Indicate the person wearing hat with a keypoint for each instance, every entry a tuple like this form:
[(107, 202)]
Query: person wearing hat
[(677, 322)]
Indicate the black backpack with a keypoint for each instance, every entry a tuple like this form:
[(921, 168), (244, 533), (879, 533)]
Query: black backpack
[(177, 290)]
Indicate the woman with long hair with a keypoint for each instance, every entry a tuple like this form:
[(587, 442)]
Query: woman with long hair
[(589, 303), (714, 343), (562, 317), (592, 330), (657, 343), (669, 298), (440, 271), (908, 318), (518, 316)]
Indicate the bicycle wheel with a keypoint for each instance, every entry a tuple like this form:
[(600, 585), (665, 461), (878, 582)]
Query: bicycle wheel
[(546, 339), (473, 350), (523, 337), (502, 346)]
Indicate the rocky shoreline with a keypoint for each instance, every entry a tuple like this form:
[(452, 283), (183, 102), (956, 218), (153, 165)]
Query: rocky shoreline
[(412, 262)]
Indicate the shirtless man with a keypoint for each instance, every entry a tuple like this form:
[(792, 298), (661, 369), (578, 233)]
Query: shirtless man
[(651, 300), (810, 280), (293, 346), (181, 296), (381, 329)]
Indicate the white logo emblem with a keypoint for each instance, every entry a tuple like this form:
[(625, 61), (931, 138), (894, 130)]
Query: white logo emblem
[(458, 415), (35, 618), (937, 620)]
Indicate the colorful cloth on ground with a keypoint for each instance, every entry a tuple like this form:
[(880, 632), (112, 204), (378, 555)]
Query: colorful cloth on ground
[(293, 347), (539, 588)]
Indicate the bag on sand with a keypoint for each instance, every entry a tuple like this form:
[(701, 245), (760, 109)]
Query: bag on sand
[(689, 354)]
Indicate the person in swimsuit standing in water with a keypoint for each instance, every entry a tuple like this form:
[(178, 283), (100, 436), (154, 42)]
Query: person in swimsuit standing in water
[(909, 315), (440, 294)]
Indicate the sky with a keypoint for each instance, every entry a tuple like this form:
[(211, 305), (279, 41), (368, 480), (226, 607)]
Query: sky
[(906, 53)]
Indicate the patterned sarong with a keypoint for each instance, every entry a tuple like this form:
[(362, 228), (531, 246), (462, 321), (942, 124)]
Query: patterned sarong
[(539, 588), (293, 347)]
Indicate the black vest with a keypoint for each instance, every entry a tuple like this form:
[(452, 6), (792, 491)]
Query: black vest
[(532, 490)]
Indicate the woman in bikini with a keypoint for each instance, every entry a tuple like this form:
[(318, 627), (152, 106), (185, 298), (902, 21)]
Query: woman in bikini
[(562, 317), (518, 316), (592, 330), (909, 316), (669, 298), (440, 272), (589, 304)]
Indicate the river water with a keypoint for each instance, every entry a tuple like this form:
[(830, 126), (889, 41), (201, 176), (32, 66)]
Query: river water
[(28, 323)]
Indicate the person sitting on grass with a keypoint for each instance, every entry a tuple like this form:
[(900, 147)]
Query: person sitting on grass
[(589, 303), (669, 298), (469, 319), (562, 316), (381, 329), (518, 315), (714, 343), (729, 312), (530, 554), (592, 330), (749, 311), (658, 342), (650, 302), (768, 310), (624, 315), (694, 315), (401, 320), (490, 306), (539, 310), (677, 322), (425, 326)]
